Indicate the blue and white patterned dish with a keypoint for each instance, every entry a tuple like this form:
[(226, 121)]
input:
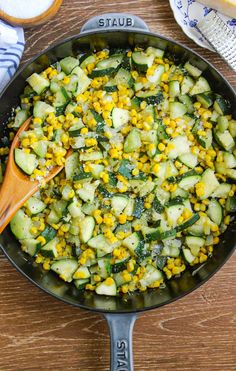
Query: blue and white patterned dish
[(188, 13)]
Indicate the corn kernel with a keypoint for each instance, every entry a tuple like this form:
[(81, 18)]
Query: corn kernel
[(109, 281), (122, 218), (161, 147)]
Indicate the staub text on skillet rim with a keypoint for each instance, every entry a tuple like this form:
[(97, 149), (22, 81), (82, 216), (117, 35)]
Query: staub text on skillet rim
[(123, 30)]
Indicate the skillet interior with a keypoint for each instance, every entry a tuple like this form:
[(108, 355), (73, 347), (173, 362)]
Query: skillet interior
[(48, 281)]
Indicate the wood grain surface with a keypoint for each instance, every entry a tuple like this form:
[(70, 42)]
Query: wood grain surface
[(37, 332)]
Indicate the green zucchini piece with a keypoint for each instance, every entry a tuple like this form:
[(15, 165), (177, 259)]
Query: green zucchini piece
[(65, 268), (38, 83), (21, 225), (231, 204), (177, 110), (26, 161), (215, 211), (132, 141), (205, 99), (210, 183), (142, 61), (106, 289), (20, 117), (86, 226), (222, 106), (107, 66), (50, 249), (68, 64), (201, 86), (192, 70), (35, 205)]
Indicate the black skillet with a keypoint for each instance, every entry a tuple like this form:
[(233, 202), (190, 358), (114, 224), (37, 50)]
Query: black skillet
[(114, 30)]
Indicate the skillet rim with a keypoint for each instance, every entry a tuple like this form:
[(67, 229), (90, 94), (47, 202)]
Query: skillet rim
[(99, 32)]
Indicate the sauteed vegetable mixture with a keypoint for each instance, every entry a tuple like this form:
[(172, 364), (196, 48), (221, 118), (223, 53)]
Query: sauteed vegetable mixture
[(148, 188)]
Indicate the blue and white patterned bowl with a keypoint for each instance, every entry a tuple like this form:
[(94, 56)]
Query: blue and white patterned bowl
[(187, 13)]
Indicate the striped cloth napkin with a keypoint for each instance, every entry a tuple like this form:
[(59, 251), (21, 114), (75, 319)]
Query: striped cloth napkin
[(12, 43)]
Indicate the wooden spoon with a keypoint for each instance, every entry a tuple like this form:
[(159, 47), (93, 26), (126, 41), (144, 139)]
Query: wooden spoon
[(17, 187)]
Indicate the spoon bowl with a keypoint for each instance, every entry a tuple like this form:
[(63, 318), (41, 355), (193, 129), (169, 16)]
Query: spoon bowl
[(17, 187)]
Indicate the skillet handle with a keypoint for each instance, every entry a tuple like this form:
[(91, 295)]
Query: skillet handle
[(121, 328), (114, 21)]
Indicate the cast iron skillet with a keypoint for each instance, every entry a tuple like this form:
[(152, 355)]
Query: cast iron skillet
[(114, 30)]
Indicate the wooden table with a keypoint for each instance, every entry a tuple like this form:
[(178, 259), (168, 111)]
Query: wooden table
[(38, 332)]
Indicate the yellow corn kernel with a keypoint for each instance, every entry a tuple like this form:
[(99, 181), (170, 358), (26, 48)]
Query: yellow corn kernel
[(130, 265), (42, 240), (146, 126), (203, 207), (161, 147), (206, 115), (90, 287), (180, 220), (71, 194), (26, 150), (147, 205), (176, 270), (135, 172), (168, 273), (197, 207), (199, 169), (227, 220), (109, 281), (151, 147), (165, 76), (79, 275), (65, 138), (37, 120), (222, 201), (196, 261), (114, 153), (55, 226), (97, 212), (126, 276), (173, 187), (123, 189), (46, 266), (120, 235), (177, 262), (34, 230), (42, 227), (122, 218), (231, 193), (77, 185), (90, 142), (203, 258), (52, 74), (124, 289), (156, 168), (99, 219), (214, 228), (66, 80), (210, 248), (84, 131), (108, 220), (201, 133), (25, 142), (105, 178), (65, 228), (200, 192)]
